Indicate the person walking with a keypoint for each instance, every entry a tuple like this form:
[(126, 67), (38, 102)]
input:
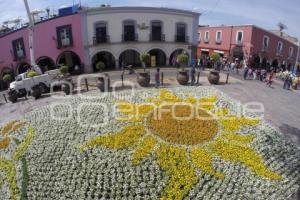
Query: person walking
[(157, 78), (255, 74), (246, 70), (192, 73), (270, 79), (286, 79)]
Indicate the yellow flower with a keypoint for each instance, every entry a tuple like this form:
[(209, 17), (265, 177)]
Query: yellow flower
[(184, 143)]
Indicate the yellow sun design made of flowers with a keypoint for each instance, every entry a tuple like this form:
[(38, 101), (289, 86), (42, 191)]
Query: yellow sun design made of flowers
[(182, 147)]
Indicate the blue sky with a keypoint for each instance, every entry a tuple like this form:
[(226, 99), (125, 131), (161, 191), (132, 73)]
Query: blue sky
[(264, 13)]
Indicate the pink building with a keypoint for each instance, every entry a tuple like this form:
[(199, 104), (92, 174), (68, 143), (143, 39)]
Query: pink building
[(56, 41), (247, 41)]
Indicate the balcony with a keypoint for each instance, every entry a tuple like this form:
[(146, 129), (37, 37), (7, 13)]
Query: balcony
[(180, 38), (130, 37), (239, 43), (279, 53), (265, 49), (101, 40), (218, 41), (206, 40), (63, 43), (157, 38)]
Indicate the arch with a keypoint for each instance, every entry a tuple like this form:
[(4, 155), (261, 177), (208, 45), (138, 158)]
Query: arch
[(106, 57), (45, 63), (23, 67), (173, 56), (264, 63), (70, 59), (129, 57), (160, 56)]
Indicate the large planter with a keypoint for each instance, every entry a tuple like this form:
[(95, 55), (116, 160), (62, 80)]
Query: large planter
[(214, 77), (143, 79), (66, 88), (183, 77), (103, 83), (36, 92), (13, 96)]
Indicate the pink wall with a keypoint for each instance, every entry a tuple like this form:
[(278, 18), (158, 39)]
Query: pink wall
[(44, 41), (227, 32), (45, 37), (6, 52), (252, 42)]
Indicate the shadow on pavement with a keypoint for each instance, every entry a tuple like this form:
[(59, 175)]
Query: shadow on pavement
[(293, 132)]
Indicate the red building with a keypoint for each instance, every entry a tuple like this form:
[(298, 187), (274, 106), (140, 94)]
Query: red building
[(248, 42)]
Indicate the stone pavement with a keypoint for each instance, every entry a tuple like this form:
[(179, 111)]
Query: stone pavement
[(281, 106)]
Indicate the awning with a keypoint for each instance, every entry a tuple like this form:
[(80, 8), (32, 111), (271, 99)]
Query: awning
[(207, 50), (220, 52)]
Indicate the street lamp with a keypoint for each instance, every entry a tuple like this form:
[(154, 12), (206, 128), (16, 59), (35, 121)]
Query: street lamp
[(31, 47), (297, 58)]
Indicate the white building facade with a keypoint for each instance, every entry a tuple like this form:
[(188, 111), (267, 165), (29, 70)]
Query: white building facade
[(118, 35)]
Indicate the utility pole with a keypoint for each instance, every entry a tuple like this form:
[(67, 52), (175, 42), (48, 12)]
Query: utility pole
[(31, 47)]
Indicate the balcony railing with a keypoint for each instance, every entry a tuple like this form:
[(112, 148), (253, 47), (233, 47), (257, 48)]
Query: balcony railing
[(239, 43), (218, 41), (130, 37), (157, 38), (101, 40), (180, 38), (264, 49)]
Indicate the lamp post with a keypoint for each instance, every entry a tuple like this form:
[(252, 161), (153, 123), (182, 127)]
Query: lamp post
[(31, 47), (297, 58)]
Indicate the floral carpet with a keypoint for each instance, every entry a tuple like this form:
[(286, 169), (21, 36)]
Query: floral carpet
[(178, 143)]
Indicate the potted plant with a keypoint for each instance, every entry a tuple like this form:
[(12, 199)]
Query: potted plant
[(214, 75), (36, 92), (64, 71), (144, 58), (143, 78), (182, 75), (12, 96), (8, 78), (100, 66), (32, 74)]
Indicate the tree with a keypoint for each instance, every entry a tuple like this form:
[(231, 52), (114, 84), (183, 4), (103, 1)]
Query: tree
[(7, 78), (182, 60), (100, 66), (145, 58), (215, 57)]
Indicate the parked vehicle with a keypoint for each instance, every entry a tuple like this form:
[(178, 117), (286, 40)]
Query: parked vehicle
[(34, 86)]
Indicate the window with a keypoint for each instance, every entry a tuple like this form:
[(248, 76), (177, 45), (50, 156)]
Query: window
[(291, 52), (266, 41), (199, 37), (64, 36), (18, 49), (206, 36), (279, 48), (239, 37), (156, 31), (218, 37), (129, 31), (181, 33), (100, 33)]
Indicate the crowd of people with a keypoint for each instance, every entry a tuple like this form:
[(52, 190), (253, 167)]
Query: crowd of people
[(267, 74)]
